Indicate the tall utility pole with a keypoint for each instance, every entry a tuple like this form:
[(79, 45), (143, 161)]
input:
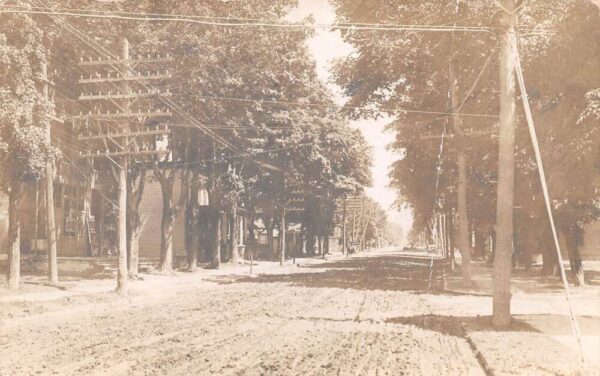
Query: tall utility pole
[(506, 170), (463, 221), (50, 217), (134, 138), (122, 272)]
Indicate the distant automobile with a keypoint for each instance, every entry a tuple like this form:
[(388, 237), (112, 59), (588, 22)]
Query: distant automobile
[(408, 247)]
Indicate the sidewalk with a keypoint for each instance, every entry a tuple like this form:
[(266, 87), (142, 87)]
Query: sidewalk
[(541, 331), (36, 296)]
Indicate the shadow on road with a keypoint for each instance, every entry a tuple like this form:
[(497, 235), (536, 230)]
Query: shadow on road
[(455, 325), (387, 273)]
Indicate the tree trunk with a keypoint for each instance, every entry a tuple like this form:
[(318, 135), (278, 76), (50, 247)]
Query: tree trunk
[(206, 237), (311, 230), (320, 244), (134, 231), (363, 239), (463, 221), (251, 243), (344, 231), (282, 231), (192, 224), (574, 240), (492, 247), (166, 227), (549, 261), (270, 243), (311, 239), (133, 254), (14, 238), (546, 245), (194, 241), (526, 245), (122, 231), (216, 260), (100, 230), (235, 256), (134, 223), (451, 239), (87, 209), (225, 244), (576, 266), (506, 170), (479, 247), (51, 225)]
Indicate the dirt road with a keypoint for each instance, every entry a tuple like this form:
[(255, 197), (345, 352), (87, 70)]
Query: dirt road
[(366, 316)]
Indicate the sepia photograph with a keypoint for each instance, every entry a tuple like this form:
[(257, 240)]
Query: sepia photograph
[(300, 187)]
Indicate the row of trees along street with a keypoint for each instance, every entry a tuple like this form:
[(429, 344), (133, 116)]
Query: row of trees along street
[(212, 120), (464, 150), (463, 164)]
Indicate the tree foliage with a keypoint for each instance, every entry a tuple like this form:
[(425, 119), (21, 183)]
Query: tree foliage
[(23, 111)]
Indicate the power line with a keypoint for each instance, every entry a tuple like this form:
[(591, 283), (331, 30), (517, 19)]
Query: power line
[(165, 18), (104, 52), (332, 106), (88, 180), (254, 22), (239, 127), (325, 105), (229, 18), (457, 110), (237, 156)]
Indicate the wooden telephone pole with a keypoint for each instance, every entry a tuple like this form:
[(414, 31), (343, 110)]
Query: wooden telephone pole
[(506, 170), (134, 138), (50, 215)]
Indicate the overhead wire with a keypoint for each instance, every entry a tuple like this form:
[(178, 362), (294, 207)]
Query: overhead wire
[(326, 105), (104, 52), (238, 156), (238, 128), (87, 179), (247, 22), (332, 106), (270, 24)]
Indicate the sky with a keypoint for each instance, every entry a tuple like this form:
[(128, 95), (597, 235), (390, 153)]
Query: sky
[(325, 47)]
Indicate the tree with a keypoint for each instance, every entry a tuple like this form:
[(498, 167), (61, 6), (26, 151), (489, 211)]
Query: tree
[(233, 163), (416, 80), (561, 82), (166, 173), (24, 147), (136, 183), (434, 71)]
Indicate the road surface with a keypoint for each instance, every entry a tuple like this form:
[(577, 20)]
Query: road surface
[(364, 316)]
